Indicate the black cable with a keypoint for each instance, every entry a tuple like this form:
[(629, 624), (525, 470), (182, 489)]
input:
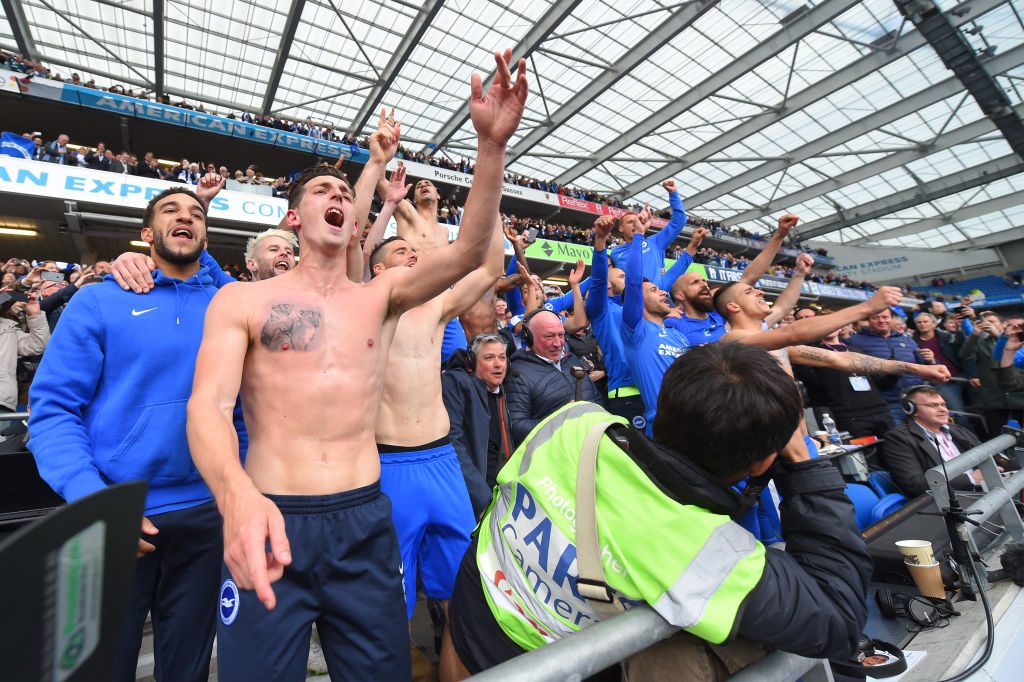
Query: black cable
[(990, 629)]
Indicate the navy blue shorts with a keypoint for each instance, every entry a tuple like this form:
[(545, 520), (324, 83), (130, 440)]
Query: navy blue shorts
[(345, 576), (432, 513)]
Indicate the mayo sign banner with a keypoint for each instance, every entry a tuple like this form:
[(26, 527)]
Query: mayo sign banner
[(895, 264), (35, 178)]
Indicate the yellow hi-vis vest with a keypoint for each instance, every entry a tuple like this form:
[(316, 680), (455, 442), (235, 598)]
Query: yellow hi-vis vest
[(693, 567)]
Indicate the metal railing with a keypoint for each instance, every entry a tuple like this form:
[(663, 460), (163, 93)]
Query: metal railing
[(599, 646), (1001, 490)]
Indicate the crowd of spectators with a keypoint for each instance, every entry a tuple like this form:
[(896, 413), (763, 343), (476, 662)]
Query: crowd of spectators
[(325, 131), (646, 326)]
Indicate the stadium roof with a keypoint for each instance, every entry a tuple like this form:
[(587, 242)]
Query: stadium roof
[(838, 110)]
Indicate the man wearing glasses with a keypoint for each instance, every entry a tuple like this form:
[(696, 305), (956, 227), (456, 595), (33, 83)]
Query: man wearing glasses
[(915, 446)]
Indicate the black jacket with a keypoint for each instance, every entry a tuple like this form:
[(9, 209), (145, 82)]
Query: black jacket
[(469, 414), (537, 388), (811, 599), (907, 453), (53, 305), (950, 344), (999, 390)]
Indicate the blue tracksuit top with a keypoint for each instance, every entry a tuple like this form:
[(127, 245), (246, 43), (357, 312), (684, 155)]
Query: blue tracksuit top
[(605, 315), (699, 332), (109, 398), (654, 247), (649, 348)]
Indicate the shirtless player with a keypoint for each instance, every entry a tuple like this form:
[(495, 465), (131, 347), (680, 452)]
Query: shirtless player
[(308, 351), (420, 470), (744, 308)]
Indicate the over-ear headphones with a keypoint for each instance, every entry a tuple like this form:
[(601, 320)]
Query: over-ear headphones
[(527, 334), (922, 612), (906, 404)]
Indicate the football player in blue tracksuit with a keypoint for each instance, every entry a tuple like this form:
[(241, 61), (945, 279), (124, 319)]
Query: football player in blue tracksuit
[(108, 406)]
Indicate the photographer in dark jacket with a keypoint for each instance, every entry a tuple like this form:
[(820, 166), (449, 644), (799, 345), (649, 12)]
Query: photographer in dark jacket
[(480, 429), (542, 374), (809, 599)]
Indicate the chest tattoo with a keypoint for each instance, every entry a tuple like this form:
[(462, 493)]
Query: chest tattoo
[(291, 327)]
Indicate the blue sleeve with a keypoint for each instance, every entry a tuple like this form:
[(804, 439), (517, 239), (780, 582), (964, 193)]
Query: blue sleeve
[(243, 435), (513, 266), (1018, 359), (220, 278), (597, 303), (514, 297), (997, 350), (64, 385), (677, 270), (633, 298), (564, 302), (668, 234), (967, 327)]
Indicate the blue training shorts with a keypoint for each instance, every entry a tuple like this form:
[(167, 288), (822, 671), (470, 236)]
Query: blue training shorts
[(432, 514), (345, 576)]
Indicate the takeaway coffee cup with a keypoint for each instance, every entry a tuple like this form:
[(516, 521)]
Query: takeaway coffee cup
[(928, 580), (916, 552)]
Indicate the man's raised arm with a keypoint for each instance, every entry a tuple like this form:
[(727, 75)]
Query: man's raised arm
[(468, 290), (397, 189), (495, 117), (764, 260), (249, 517), (812, 329), (666, 235), (791, 294)]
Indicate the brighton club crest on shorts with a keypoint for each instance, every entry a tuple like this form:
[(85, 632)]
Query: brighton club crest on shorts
[(228, 602)]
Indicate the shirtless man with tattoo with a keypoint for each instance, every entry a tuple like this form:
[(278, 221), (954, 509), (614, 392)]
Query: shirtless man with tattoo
[(744, 308), (308, 350)]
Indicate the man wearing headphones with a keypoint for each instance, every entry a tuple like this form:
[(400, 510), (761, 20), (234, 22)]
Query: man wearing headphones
[(472, 387), (544, 374), (915, 446)]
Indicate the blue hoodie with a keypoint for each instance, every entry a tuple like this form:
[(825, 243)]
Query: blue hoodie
[(109, 398)]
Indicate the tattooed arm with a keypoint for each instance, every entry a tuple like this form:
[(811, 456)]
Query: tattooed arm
[(856, 363)]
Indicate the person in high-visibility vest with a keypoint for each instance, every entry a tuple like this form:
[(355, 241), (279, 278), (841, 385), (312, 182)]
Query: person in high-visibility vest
[(590, 517)]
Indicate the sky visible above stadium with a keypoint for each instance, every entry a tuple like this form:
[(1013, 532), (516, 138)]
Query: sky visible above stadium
[(753, 107)]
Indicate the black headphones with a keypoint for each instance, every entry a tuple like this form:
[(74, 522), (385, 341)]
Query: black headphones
[(478, 340), (921, 613), (527, 334), (906, 404)]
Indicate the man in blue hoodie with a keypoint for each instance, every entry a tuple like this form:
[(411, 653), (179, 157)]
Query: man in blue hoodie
[(108, 406)]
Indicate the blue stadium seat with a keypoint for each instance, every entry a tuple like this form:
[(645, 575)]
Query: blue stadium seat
[(886, 506), (881, 483), (864, 500)]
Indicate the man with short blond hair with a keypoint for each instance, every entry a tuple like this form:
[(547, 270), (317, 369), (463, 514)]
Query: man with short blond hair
[(270, 253)]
